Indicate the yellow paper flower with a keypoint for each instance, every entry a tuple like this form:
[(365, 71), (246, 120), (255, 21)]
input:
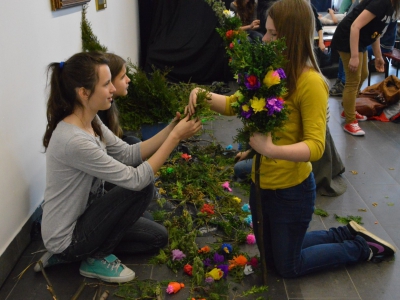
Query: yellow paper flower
[(215, 273), (257, 104), (228, 13), (237, 199), (245, 107), (272, 78)]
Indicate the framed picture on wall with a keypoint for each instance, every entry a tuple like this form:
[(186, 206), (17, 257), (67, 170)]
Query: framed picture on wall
[(101, 4), (60, 4)]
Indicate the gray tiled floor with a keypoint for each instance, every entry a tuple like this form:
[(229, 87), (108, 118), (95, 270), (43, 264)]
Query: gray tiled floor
[(375, 187)]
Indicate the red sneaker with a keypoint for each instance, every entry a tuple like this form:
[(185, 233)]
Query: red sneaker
[(359, 117), (353, 128)]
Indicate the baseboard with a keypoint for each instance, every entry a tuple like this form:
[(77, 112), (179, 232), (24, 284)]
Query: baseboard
[(14, 251)]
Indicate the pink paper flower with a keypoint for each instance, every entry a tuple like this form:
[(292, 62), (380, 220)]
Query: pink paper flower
[(177, 254), (251, 239), (226, 186)]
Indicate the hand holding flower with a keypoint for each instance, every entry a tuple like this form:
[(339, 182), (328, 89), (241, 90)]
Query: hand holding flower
[(263, 144)]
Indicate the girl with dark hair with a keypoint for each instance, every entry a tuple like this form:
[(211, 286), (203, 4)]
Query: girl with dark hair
[(247, 12), (81, 222), (287, 185)]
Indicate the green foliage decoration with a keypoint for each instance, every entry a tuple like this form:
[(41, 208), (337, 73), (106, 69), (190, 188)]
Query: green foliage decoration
[(153, 99), (90, 41)]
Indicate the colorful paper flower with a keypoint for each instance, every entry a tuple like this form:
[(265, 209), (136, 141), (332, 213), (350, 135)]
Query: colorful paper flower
[(215, 273), (251, 82), (248, 220), (272, 78), (174, 287), (251, 239), (246, 207), (186, 156), (229, 34), (209, 279), (207, 262), (226, 186), (218, 258), (204, 249), (257, 104), (273, 105), (231, 45), (177, 254), (227, 248), (188, 269), (208, 209), (170, 170), (246, 111), (281, 73), (248, 270), (239, 260), (237, 199), (228, 13), (253, 262), (225, 269)]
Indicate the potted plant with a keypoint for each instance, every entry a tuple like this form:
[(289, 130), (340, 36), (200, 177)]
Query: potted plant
[(152, 101)]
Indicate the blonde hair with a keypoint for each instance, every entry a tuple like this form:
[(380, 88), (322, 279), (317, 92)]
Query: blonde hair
[(294, 20)]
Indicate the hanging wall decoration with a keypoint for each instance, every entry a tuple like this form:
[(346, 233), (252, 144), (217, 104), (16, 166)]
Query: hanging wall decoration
[(61, 4), (101, 4)]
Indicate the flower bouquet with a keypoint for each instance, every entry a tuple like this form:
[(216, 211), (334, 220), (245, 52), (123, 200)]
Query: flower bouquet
[(257, 66)]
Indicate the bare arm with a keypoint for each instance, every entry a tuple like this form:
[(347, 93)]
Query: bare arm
[(217, 102), (379, 62), (363, 19), (321, 43), (165, 141), (263, 144)]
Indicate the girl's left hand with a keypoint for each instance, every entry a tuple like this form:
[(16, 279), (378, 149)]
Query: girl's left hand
[(353, 64), (176, 119), (380, 64), (263, 144)]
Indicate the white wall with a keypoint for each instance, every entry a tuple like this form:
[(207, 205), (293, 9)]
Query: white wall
[(32, 36)]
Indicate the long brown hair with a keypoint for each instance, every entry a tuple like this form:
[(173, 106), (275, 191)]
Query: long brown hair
[(295, 21), (245, 10), (115, 63), (80, 70)]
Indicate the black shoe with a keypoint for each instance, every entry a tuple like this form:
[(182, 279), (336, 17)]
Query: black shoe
[(378, 246)]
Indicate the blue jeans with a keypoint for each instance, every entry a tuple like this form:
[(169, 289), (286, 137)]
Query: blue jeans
[(242, 169), (114, 222), (289, 248)]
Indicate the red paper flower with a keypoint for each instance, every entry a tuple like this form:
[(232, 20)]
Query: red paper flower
[(208, 209), (229, 34), (188, 269), (231, 45), (186, 156)]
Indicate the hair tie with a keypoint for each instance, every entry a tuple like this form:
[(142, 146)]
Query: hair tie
[(61, 65)]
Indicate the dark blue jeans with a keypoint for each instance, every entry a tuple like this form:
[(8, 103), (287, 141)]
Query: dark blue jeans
[(289, 248), (114, 222)]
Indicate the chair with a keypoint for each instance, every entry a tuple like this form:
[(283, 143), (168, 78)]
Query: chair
[(393, 56)]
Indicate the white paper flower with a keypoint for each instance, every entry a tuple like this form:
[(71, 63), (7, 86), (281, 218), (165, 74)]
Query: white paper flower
[(229, 13), (248, 270)]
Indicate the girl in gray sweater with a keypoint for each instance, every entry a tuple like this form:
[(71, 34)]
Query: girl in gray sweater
[(80, 221)]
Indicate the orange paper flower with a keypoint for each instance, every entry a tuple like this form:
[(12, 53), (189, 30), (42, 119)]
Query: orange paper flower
[(205, 249), (240, 260)]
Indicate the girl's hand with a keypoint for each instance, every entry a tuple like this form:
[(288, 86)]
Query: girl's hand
[(176, 119), (263, 144), (255, 24), (186, 128), (380, 64), (241, 155), (353, 64), (191, 107)]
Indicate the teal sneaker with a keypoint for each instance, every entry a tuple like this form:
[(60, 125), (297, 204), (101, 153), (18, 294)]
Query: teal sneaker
[(48, 260), (107, 269)]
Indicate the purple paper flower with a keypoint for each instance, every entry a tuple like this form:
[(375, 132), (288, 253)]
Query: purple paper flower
[(225, 269), (218, 258), (207, 262), (209, 280), (273, 105), (177, 254), (281, 73), (251, 82)]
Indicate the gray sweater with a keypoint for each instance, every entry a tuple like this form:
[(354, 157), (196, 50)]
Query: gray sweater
[(77, 164)]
